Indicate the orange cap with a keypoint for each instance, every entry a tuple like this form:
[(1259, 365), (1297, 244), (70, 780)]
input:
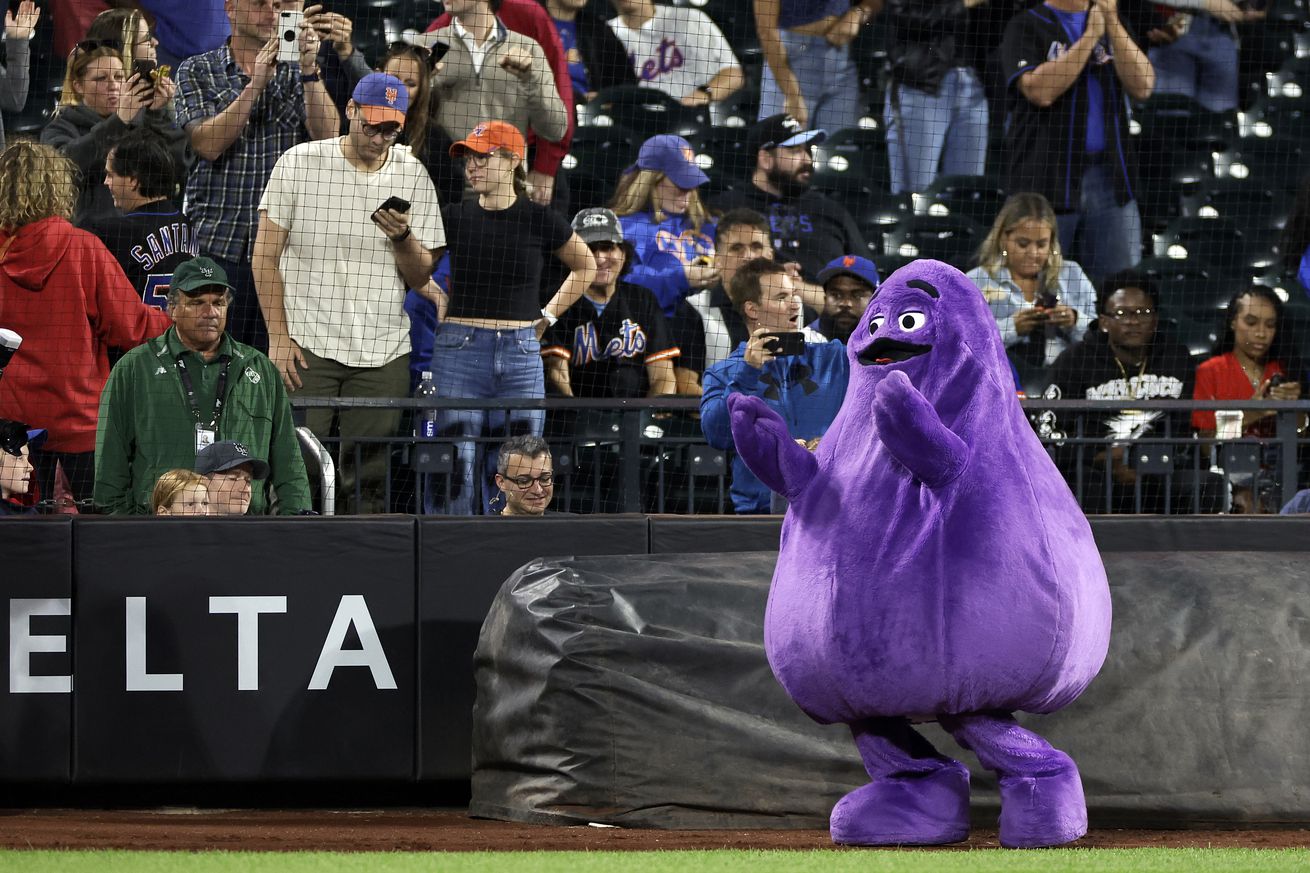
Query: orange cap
[(489, 136)]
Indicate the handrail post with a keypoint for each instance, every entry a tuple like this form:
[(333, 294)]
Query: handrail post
[(630, 455)]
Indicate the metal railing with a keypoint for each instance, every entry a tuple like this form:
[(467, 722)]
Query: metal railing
[(648, 455)]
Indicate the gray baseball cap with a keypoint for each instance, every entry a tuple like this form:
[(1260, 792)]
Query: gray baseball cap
[(598, 224)]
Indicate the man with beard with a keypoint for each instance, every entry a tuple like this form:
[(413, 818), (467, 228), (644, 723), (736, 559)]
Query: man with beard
[(806, 226), (848, 286), (1123, 356)]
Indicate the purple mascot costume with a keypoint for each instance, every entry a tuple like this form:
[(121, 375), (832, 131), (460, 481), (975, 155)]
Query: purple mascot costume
[(933, 566)]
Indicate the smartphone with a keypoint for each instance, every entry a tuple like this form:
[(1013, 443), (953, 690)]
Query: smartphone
[(1049, 300), (1274, 381), (399, 204), (288, 35), (784, 343), (143, 67), (437, 52)]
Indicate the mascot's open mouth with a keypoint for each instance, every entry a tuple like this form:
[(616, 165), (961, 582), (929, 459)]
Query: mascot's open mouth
[(890, 351)]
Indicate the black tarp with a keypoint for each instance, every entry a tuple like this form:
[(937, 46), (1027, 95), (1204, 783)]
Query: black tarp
[(635, 691)]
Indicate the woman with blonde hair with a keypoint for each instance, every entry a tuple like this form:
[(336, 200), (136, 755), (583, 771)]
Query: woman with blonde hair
[(662, 216), (180, 492), (64, 293), (1041, 302), (130, 29), (101, 100)]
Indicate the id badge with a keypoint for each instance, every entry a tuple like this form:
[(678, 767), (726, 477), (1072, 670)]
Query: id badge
[(204, 437)]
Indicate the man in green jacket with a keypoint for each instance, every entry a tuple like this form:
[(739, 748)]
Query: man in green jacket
[(169, 398)]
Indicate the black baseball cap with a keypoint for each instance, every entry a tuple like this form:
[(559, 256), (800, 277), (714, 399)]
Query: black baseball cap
[(782, 131), (14, 435)]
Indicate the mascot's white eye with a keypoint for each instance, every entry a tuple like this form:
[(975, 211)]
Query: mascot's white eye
[(911, 321), (876, 322)]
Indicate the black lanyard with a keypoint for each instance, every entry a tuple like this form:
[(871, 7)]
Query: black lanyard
[(226, 361)]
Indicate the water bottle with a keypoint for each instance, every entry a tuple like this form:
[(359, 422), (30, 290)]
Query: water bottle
[(425, 421)]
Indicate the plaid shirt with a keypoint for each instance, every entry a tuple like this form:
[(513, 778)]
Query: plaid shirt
[(221, 195)]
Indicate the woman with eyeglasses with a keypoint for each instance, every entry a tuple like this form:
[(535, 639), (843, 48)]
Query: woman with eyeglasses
[(412, 64), (1124, 356), (489, 343), (1041, 302), (101, 100)]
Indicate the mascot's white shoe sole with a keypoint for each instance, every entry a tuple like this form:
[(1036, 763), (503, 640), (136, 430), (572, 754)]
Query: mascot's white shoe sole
[(927, 810), (1041, 811)]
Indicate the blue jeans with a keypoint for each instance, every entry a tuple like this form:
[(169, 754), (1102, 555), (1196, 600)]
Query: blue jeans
[(1102, 236), (1202, 64), (949, 128), (245, 318), (477, 362), (828, 80)]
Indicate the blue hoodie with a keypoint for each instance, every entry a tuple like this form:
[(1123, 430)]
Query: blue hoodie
[(807, 399), (663, 250)]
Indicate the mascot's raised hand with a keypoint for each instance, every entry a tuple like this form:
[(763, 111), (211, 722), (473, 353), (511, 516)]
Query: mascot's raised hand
[(762, 440)]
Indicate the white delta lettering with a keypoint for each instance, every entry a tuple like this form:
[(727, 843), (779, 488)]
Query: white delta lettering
[(352, 611), (23, 644)]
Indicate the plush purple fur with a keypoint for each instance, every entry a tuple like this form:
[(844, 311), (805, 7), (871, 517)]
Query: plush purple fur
[(933, 565)]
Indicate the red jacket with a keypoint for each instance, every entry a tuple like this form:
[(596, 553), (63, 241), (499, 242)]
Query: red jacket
[(531, 19), (62, 290)]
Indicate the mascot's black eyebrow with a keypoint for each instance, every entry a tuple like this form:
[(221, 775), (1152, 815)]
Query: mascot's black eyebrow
[(926, 287)]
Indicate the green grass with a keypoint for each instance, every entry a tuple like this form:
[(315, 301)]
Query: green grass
[(725, 861)]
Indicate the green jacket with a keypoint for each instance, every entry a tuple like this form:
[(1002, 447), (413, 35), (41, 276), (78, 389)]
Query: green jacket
[(146, 425)]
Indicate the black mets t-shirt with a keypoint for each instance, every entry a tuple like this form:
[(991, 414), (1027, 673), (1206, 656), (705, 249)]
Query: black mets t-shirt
[(608, 349), (496, 258)]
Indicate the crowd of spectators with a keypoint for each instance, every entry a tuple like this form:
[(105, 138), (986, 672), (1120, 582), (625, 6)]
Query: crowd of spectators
[(234, 213)]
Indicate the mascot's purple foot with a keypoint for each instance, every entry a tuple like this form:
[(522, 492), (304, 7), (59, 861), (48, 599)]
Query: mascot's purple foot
[(1039, 811), (914, 810)]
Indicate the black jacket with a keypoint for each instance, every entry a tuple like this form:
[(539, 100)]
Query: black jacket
[(603, 52), (928, 40)]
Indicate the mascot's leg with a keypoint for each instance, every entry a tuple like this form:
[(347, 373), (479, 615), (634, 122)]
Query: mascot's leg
[(1041, 795), (917, 796)]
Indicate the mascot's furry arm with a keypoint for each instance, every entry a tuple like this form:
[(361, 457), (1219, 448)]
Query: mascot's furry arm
[(762, 440), (908, 425)]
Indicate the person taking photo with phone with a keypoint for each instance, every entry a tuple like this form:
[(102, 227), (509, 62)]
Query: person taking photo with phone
[(1041, 302), (346, 225), (803, 382)]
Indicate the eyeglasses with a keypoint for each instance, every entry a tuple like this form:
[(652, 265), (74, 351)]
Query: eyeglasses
[(523, 483), (426, 57), (1130, 314), (387, 132), (473, 159)]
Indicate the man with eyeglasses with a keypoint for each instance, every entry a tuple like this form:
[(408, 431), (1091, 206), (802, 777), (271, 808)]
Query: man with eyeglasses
[(525, 476), (1125, 357), (169, 400), (848, 286), (332, 266)]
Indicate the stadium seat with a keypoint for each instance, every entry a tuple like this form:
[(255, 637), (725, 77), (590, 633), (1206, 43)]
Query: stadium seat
[(1189, 290), (1255, 209), (852, 158), (978, 197), (645, 112), (1219, 244), (949, 238), (723, 154), (1163, 177), (598, 157), (1171, 121), (1277, 161)]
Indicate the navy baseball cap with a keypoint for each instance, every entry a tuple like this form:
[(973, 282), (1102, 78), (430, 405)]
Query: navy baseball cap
[(226, 454), (381, 98), (850, 265), (672, 156), (14, 435)]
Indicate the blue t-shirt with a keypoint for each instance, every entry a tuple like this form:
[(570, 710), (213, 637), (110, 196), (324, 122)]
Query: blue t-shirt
[(568, 37), (794, 13), (1074, 24)]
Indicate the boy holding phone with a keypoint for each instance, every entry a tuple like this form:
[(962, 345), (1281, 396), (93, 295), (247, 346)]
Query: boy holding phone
[(805, 382), (345, 226)]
